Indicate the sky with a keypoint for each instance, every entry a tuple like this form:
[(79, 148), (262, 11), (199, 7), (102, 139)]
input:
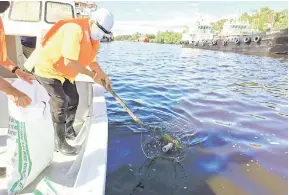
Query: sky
[(151, 16)]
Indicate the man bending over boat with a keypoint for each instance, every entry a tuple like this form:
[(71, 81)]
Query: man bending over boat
[(67, 49), (17, 96)]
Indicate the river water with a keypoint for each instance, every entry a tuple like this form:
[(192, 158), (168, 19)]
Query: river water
[(236, 104)]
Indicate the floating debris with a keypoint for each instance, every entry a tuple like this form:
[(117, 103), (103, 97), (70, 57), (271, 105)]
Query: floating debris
[(256, 145), (274, 143)]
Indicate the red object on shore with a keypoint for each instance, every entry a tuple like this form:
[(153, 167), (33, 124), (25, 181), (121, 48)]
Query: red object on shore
[(146, 40)]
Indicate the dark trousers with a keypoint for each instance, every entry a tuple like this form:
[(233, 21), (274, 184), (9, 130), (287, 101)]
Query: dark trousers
[(63, 101)]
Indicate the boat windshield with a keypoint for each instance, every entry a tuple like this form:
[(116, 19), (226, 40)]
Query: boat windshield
[(240, 26), (26, 11), (55, 11), (201, 29), (236, 29), (204, 29), (31, 11)]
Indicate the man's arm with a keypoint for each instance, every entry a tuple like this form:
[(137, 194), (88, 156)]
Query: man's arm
[(73, 64), (101, 75), (5, 60), (8, 64), (6, 87), (19, 98), (20, 73), (95, 67)]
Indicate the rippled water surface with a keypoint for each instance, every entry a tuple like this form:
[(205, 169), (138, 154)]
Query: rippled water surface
[(236, 103)]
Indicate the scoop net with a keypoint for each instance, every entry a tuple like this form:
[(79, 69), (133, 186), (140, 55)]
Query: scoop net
[(172, 140)]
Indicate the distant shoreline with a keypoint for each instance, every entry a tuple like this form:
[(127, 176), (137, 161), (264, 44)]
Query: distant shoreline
[(167, 37), (259, 21), (145, 42)]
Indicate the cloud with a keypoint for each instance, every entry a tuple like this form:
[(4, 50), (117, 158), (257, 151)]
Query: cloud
[(138, 10), (194, 4), (175, 23)]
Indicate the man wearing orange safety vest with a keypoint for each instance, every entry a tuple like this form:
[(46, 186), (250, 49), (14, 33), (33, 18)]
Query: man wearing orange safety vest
[(17, 96), (67, 49)]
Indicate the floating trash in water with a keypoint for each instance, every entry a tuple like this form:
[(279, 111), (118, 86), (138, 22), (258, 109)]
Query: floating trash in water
[(171, 140), (256, 145), (274, 143)]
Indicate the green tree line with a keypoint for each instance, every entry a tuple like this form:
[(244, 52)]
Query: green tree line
[(260, 19), (168, 37)]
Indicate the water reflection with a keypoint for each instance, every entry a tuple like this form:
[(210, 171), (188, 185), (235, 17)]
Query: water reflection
[(237, 103)]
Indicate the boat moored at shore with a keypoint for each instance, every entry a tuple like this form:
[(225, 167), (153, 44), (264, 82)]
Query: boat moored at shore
[(239, 37)]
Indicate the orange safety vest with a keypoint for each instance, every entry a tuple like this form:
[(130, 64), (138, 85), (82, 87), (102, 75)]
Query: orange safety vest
[(88, 47), (3, 49)]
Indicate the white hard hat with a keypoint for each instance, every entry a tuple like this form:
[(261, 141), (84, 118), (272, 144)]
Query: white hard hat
[(104, 18)]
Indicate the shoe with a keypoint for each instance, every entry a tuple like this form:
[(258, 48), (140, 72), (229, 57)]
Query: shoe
[(60, 142), (70, 134)]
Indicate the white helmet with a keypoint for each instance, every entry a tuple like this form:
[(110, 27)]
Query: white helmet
[(104, 21)]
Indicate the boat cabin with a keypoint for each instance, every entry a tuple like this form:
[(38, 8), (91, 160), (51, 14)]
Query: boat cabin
[(199, 32), (234, 29)]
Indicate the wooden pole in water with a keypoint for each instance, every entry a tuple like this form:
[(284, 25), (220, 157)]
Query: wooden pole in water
[(135, 118)]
